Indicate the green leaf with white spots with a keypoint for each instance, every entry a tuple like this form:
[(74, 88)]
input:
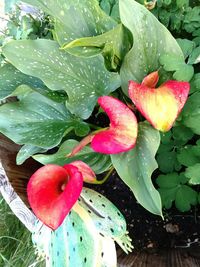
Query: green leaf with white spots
[(11, 78), (26, 152), (15, 83), (151, 40), (87, 14), (136, 166), (83, 79), (111, 7), (23, 90), (36, 120), (98, 162), (113, 45)]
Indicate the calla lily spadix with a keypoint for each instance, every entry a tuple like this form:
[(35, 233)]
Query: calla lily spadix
[(160, 106), (121, 134), (53, 190)]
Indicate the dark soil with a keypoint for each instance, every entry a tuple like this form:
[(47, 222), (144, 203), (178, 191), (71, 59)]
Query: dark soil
[(148, 231), (177, 230)]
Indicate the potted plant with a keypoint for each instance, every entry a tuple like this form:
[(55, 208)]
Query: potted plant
[(102, 92)]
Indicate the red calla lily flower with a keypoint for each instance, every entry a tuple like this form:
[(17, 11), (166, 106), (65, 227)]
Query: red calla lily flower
[(120, 136), (52, 192), (160, 106)]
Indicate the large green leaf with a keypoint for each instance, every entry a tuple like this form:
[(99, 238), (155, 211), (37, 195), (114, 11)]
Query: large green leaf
[(98, 162), (136, 166), (113, 45), (26, 152), (111, 7), (10, 78), (75, 19), (14, 83), (36, 120), (83, 79), (151, 40)]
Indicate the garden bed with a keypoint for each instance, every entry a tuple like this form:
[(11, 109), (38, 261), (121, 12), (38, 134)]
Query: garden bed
[(177, 230), (172, 242)]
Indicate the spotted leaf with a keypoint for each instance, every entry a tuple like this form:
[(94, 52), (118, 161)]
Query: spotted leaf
[(113, 45), (84, 80), (26, 152), (11, 78), (36, 120), (136, 166), (98, 162), (151, 40), (160, 106), (87, 14)]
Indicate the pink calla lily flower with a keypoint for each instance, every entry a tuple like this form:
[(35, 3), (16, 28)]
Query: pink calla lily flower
[(122, 133), (160, 106), (120, 136), (53, 190)]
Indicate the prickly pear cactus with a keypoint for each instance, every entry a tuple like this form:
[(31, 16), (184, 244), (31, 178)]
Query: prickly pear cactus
[(86, 237)]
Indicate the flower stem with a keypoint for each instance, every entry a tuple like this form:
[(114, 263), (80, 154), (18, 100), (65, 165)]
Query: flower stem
[(106, 177)]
